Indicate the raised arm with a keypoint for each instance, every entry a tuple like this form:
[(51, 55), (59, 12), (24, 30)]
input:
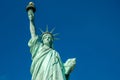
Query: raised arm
[(31, 11)]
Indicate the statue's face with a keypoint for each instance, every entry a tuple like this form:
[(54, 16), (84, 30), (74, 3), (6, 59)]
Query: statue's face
[(47, 39)]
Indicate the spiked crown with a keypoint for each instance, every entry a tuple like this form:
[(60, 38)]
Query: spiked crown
[(51, 33)]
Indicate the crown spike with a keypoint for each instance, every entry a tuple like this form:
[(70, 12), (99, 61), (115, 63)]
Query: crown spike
[(41, 30), (56, 38), (47, 32), (47, 28), (52, 30), (55, 34)]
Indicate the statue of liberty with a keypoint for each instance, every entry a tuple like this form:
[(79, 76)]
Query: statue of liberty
[(46, 62)]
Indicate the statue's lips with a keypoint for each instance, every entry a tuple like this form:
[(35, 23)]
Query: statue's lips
[(46, 41)]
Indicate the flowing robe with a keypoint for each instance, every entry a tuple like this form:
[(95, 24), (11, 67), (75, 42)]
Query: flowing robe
[(46, 62)]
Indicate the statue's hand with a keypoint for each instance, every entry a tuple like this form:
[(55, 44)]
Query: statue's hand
[(69, 65), (30, 15)]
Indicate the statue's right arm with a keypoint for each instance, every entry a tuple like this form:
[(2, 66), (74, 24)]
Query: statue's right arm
[(32, 26), (32, 29)]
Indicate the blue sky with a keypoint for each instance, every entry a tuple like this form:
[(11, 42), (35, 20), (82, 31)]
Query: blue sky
[(89, 30)]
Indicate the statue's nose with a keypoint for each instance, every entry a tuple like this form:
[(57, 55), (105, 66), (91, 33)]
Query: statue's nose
[(47, 38)]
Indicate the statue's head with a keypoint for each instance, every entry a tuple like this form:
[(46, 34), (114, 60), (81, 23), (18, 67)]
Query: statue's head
[(47, 37)]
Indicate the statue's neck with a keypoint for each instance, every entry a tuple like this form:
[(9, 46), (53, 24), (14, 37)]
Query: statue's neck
[(46, 45)]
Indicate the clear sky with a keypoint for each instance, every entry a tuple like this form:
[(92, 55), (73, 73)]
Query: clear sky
[(89, 30)]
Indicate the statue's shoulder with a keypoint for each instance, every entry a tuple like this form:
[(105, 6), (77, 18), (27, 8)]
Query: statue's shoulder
[(54, 50), (34, 40)]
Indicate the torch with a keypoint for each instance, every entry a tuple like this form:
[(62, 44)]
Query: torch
[(31, 10)]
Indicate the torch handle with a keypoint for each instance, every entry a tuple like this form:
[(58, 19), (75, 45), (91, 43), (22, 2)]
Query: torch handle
[(31, 10)]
